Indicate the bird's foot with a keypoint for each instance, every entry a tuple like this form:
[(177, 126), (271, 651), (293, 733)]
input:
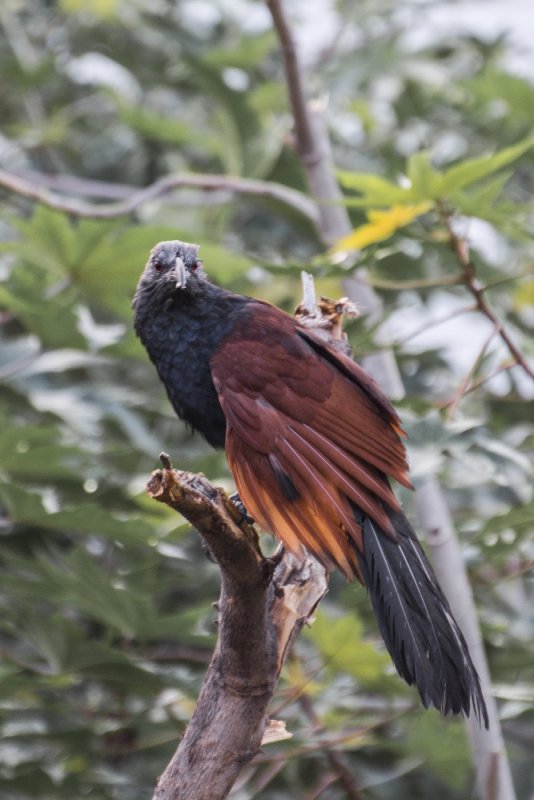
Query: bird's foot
[(240, 507), (276, 558)]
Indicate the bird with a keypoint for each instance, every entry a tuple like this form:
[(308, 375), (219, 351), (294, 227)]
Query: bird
[(313, 445)]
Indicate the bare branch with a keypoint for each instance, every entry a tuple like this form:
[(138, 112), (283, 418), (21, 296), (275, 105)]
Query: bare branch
[(294, 83), (312, 141), (262, 607), (432, 324), (309, 298), (208, 510), (494, 780), (477, 384), (326, 316), (468, 378), (313, 146), (31, 185), (324, 782), (418, 283), (336, 759), (469, 278)]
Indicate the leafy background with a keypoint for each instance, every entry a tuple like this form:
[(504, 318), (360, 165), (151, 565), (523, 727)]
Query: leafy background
[(106, 624)]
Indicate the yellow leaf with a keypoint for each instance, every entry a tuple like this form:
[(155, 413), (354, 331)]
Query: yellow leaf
[(524, 295), (381, 225)]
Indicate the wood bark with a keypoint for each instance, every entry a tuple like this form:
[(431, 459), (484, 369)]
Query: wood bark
[(263, 605)]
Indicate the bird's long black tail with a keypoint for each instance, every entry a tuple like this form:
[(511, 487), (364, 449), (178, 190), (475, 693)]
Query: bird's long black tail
[(416, 621)]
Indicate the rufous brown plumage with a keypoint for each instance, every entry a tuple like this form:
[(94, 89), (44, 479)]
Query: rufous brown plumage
[(311, 442)]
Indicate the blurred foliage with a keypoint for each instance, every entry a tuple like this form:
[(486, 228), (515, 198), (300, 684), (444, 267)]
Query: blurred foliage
[(107, 624)]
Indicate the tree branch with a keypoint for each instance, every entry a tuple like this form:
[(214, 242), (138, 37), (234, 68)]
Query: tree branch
[(335, 223), (313, 146), (312, 141), (494, 779), (467, 380), (477, 384), (336, 759), (263, 605), (294, 83), (32, 185), (469, 278)]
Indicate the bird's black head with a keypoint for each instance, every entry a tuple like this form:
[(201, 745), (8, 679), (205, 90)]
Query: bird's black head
[(173, 271)]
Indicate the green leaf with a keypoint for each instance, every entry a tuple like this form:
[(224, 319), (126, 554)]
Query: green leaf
[(483, 196), (27, 507), (427, 183), (424, 180), (440, 743), (34, 452), (517, 93), (222, 264), (49, 240), (343, 647), (238, 126), (376, 191), (110, 270), (517, 518), (474, 169), (248, 52), (160, 128)]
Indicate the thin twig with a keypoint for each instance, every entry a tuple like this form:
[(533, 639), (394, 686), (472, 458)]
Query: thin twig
[(292, 693), (30, 186), (335, 758), (74, 185), (462, 389), (509, 279), (432, 324), (472, 283), (324, 782), (343, 740), (525, 569), (477, 384), (428, 283), (261, 780)]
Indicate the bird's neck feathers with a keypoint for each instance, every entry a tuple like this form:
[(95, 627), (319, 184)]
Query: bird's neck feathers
[(185, 324), (204, 311), (181, 333)]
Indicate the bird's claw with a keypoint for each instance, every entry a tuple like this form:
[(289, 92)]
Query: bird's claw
[(240, 507)]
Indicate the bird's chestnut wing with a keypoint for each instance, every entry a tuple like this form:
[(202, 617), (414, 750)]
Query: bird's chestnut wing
[(310, 437)]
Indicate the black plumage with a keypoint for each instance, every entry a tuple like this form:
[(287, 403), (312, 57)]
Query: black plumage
[(416, 622), (181, 330), (311, 442)]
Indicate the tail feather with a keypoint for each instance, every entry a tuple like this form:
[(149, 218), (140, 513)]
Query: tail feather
[(416, 621)]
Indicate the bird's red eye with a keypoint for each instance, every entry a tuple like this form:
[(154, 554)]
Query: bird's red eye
[(158, 266), (196, 266)]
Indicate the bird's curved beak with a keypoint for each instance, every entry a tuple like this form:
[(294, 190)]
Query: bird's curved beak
[(181, 273)]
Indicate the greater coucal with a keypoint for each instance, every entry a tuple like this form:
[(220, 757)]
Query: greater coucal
[(311, 442)]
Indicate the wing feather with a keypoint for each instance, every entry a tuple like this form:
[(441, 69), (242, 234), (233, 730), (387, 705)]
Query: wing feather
[(328, 474), (301, 522), (309, 435)]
